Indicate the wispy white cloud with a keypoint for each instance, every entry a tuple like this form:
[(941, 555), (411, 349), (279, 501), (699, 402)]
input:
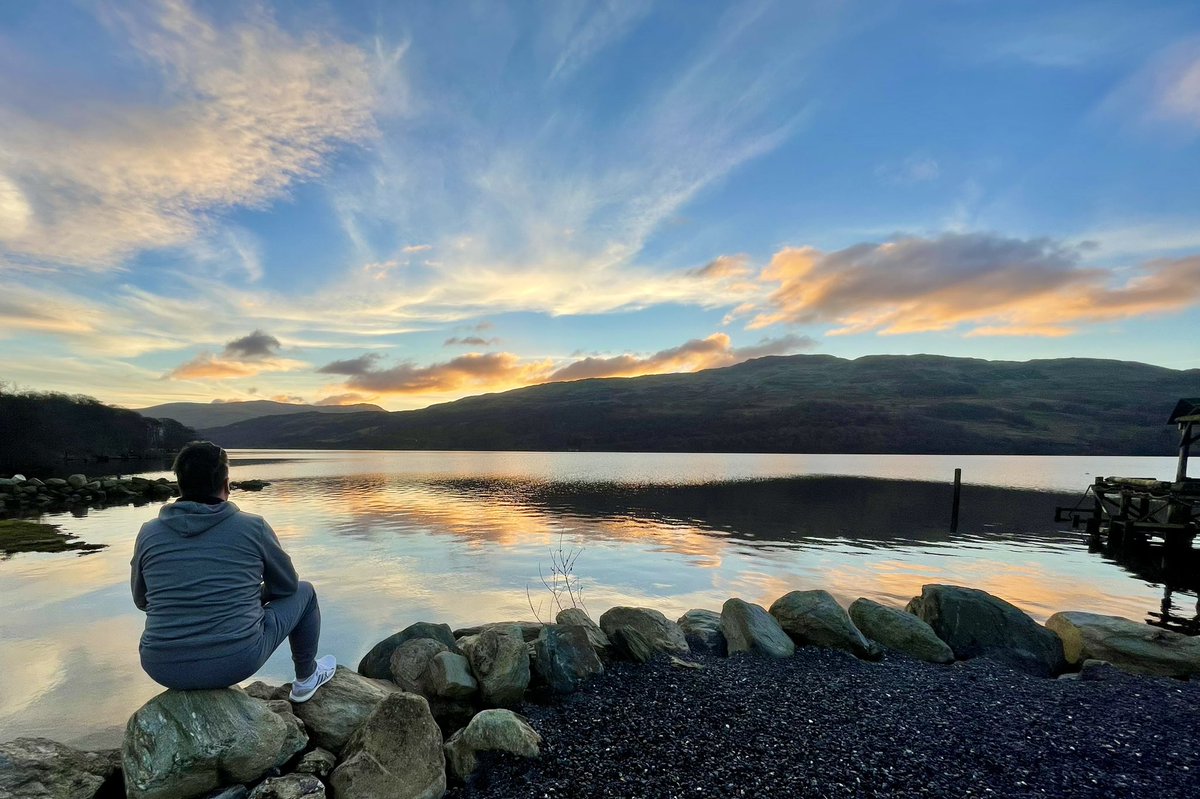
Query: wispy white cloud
[(913, 169), (603, 23), (549, 217), (1163, 92), (241, 112)]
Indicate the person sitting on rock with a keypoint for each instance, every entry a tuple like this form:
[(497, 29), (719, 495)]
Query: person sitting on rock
[(219, 592)]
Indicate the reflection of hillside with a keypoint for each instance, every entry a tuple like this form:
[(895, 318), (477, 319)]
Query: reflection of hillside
[(879, 512)]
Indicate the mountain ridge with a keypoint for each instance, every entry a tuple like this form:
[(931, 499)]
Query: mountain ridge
[(201, 415), (919, 404)]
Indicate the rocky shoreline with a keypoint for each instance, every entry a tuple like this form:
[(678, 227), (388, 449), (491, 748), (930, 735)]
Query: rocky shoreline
[(952, 696), (21, 496)]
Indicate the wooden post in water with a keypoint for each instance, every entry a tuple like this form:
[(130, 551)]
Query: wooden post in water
[(957, 493)]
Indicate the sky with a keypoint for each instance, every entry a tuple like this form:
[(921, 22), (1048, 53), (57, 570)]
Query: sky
[(408, 203)]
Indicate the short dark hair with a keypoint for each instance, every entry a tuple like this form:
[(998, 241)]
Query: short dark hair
[(201, 468)]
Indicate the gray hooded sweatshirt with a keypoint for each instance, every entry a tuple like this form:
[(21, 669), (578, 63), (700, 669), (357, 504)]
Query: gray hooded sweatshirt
[(199, 572)]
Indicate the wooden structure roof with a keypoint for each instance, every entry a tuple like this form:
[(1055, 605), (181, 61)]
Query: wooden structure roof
[(1186, 410)]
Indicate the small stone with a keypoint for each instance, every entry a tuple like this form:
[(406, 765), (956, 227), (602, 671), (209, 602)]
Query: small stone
[(490, 731), (289, 786), (319, 761)]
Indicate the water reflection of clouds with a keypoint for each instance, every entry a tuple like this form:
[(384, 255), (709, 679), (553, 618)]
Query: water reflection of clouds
[(387, 547)]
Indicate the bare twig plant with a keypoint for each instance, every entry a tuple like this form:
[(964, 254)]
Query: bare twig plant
[(564, 585)]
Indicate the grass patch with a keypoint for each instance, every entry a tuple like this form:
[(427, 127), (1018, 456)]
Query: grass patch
[(20, 535)]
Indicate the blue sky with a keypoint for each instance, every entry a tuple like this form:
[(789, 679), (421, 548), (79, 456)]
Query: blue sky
[(409, 203)]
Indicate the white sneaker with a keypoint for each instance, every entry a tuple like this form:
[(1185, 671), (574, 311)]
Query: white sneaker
[(303, 690)]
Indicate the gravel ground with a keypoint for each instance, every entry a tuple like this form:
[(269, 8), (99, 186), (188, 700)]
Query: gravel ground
[(824, 724)]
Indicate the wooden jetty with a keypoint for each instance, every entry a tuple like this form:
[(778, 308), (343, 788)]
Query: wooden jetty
[(1150, 525)]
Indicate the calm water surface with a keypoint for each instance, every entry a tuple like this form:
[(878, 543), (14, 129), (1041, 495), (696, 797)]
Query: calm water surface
[(390, 538)]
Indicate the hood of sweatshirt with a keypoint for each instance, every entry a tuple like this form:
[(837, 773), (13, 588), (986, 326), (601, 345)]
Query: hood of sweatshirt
[(192, 518)]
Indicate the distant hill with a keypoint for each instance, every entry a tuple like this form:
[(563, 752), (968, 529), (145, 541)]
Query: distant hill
[(39, 429), (799, 403), (202, 415)]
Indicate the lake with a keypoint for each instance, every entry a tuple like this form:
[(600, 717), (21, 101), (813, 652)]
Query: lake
[(390, 538)]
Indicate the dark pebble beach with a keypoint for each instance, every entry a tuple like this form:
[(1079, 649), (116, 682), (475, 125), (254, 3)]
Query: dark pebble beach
[(825, 724)]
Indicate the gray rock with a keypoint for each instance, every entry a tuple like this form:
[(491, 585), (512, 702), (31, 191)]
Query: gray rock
[(265, 691), (565, 657), (577, 617), (340, 707), (289, 786), (490, 731), (183, 744), (749, 628), (643, 633), (528, 629), (57, 482), (319, 762), (378, 662), (77, 481), (1128, 645), (38, 767), (976, 624), (814, 618), (410, 664), (450, 677), (899, 631), (500, 663), (232, 792), (702, 629), (397, 753), (297, 733), (1100, 671), (633, 645)]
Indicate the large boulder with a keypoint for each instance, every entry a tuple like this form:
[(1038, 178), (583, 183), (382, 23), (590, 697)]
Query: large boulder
[(578, 617), (38, 767), (1128, 645), (395, 754), (565, 658), (814, 618), (976, 624), (528, 630), (340, 707), (411, 662), (500, 663), (899, 631), (702, 630), (183, 744), (490, 731), (289, 786), (749, 628), (377, 663), (643, 633)]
